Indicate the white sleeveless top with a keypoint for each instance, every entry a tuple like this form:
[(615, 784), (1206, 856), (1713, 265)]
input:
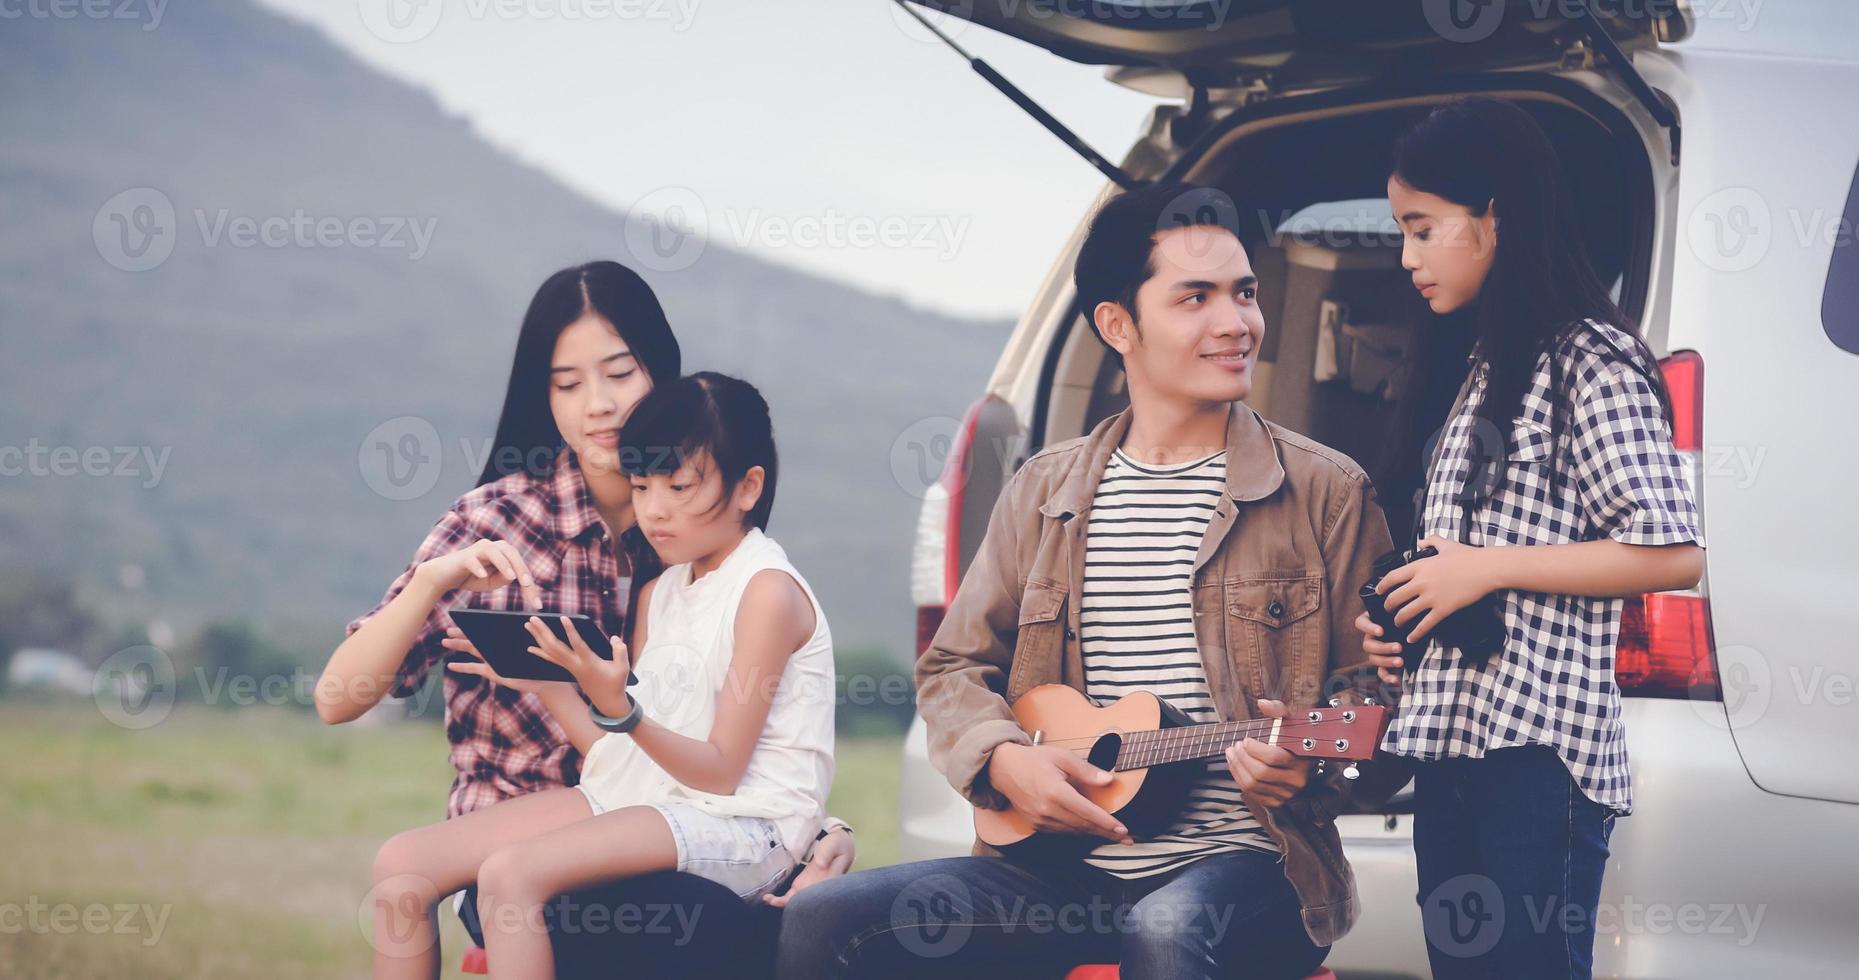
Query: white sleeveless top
[(690, 639)]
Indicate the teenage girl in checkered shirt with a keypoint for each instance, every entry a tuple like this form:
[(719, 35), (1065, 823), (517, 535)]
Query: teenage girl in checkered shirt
[(1554, 489)]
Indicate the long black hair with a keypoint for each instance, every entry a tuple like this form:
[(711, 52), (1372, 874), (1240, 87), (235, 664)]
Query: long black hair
[(723, 418), (527, 439), (1487, 154)]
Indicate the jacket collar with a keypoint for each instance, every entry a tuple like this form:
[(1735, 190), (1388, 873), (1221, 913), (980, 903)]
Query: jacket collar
[(1253, 470)]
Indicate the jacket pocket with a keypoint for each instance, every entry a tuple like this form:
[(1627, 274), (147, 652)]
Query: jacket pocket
[(1273, 636), (1038, 641), (1530, 443)]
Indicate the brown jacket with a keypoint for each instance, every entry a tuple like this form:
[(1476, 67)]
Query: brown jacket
[(1275, 601)]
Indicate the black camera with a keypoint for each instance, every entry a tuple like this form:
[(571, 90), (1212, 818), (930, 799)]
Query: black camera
[(1477, 631)]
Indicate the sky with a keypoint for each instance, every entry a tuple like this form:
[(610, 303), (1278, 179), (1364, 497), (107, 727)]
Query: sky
[(833, 136)]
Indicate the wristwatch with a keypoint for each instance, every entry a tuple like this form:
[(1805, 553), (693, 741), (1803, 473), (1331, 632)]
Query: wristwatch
[(618, 726)]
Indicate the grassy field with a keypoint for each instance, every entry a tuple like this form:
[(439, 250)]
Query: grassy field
[(238, 843)]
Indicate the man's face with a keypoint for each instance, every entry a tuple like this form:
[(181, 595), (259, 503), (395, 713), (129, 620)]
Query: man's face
[(1199, 316)]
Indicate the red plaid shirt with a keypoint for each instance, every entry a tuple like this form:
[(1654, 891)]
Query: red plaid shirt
[(504, 743)]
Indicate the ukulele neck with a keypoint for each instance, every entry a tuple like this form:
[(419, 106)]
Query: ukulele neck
[(1170, 745)]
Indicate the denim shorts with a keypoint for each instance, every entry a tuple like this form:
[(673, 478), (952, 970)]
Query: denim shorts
[(743, 854)]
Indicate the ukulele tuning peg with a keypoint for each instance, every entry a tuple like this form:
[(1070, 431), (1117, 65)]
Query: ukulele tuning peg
[(1336, 702), (1323, 766), (1351, 772)]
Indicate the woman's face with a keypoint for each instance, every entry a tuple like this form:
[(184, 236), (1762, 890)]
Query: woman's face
[(679, 513), (1447, 248), (594, 382)]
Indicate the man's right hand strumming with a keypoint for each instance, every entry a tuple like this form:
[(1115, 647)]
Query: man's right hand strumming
[(1042, 782)]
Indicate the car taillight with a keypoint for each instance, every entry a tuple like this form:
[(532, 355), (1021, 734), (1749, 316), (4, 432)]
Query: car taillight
[(935, 560), (1665, 637)]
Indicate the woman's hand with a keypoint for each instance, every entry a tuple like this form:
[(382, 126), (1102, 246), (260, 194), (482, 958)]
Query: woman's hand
[(831, 857), (602, 680), (455, 641), (1385, 656), (482, 566), (1438, 587)]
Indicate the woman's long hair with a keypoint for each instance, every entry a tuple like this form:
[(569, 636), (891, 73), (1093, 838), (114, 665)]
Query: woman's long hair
[(527, 439), (1487, 154)]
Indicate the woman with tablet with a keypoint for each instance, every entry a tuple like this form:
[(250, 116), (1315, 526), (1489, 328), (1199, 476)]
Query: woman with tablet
[(720, 767), (549, 526)]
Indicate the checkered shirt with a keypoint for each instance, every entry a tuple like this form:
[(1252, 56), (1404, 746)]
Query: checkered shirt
[(1620, 478), (504, 743)]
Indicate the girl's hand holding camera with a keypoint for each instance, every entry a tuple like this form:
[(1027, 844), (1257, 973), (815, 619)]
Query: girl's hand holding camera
[(1428, 590)]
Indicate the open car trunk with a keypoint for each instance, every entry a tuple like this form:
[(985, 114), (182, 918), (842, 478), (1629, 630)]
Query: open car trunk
[(1352, 357), (1301, 45)]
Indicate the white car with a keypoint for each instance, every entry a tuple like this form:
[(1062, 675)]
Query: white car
[(1718, 187)]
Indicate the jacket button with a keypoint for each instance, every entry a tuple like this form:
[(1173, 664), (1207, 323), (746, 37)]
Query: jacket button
[(1277, 609), (1068, 633)]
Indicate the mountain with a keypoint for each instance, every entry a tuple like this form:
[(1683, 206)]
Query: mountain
[(345, 254)]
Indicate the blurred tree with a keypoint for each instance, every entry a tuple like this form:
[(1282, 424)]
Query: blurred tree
[(37, 610)]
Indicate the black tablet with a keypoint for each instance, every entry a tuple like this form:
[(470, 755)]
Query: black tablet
[(499, 634)]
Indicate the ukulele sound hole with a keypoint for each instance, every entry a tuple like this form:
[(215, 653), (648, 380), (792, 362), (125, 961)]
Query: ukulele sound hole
[(1104, 751)]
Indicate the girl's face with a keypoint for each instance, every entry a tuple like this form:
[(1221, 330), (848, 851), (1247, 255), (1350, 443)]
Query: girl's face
[(1447, 248), (679, 512), (594, 382)]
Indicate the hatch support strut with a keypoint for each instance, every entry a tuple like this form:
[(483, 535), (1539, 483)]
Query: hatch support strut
[(1629, 75), (1044, 118)]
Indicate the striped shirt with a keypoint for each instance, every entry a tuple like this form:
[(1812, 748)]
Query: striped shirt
[(1136, 614)]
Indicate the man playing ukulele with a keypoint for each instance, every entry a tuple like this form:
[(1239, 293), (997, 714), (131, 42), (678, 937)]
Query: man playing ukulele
[(1185, 547)]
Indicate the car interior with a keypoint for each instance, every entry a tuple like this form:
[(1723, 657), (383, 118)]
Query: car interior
[(1352, 357)]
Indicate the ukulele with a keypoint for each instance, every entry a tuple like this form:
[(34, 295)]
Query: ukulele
[(1142, 740)]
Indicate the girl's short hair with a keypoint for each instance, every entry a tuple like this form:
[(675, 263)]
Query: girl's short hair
[(723, 418)]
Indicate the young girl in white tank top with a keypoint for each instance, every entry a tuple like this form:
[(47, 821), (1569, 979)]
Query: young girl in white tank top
[(708, 739)]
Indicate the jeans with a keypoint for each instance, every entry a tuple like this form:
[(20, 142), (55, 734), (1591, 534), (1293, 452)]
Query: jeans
[(1229, 915), (1509, 854)]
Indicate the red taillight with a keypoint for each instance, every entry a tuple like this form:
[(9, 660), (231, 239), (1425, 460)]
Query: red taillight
[(1665, 647), (936, 571), (1684, 381)]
